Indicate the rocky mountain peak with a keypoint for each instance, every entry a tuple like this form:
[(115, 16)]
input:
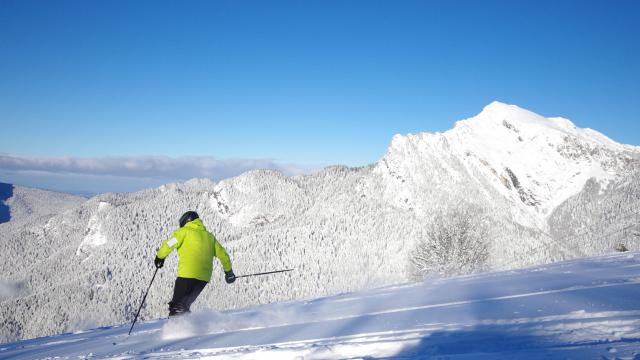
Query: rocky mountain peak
[(532, 161)]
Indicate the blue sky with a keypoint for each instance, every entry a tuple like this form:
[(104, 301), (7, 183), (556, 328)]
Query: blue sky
[(294, 84)]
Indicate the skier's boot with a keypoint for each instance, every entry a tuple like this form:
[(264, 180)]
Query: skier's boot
[(177, 309)]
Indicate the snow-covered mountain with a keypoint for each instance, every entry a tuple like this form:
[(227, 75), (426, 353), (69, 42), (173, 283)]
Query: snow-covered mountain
[(580, 309), (542, 186), (21, 204), (532, 162)]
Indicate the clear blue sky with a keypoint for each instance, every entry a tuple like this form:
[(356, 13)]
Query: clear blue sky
[(303, 82)]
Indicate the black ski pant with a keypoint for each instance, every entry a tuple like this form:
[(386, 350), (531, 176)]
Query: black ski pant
[(185, 293)]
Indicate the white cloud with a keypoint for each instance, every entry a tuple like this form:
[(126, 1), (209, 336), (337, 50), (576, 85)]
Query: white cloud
[(126, 173), (146, 166)]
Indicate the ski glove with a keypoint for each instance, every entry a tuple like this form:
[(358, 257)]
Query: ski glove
[(229, 276), (159, 262)]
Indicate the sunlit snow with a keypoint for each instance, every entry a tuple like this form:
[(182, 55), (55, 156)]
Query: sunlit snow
[(582, 309)]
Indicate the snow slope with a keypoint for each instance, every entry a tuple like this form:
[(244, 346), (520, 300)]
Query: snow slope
[(581, 309)]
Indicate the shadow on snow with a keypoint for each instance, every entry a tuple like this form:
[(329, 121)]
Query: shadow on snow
[(6, 192)]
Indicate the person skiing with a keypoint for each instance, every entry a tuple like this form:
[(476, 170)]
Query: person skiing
[(196, 248)]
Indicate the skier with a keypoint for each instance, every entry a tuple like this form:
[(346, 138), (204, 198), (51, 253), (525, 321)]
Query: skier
[(196, 248)]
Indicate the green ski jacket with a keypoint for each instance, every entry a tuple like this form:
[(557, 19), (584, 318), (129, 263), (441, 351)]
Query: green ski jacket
[(196, 249)]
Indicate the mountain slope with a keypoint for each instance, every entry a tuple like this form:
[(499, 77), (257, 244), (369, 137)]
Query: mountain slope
[(343, 229), (582, 309), (23, 204)]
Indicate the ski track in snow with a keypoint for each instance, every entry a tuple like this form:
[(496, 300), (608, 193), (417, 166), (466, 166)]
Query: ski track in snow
[(580, 309)]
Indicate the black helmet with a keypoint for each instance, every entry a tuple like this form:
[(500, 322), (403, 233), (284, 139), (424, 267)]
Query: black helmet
[(188, 216)]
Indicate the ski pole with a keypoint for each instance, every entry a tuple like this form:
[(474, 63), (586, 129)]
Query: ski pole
[(264, 273), (143, 299)]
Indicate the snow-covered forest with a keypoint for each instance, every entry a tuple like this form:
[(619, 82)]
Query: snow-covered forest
[(540, 188)]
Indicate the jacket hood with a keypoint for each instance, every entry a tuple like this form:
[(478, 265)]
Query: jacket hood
[(195, 224)]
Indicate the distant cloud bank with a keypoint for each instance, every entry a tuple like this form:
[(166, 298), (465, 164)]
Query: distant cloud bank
[(135, 170), (146, 166)]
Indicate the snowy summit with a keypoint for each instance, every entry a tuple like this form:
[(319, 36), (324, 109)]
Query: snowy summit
[(534, 162)]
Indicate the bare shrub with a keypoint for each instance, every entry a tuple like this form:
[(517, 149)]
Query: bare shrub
[(455, 243)]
